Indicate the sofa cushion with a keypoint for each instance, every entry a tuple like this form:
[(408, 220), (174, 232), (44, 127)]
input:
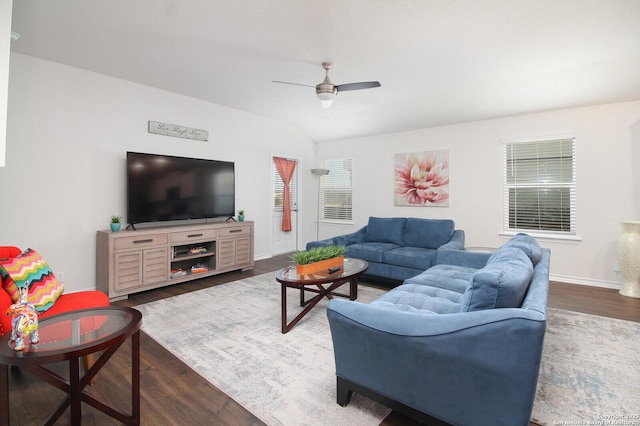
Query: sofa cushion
[(526, 243), (371, 252), (386, 230), (502, 283), (410, 257), (420, 298), (29, 268), (452, 278), (428, 233)]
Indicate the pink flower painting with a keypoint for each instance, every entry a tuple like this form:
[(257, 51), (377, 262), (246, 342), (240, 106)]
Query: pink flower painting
[(422, 178)]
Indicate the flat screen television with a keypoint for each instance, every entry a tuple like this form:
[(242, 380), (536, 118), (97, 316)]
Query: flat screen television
[(164, 188)]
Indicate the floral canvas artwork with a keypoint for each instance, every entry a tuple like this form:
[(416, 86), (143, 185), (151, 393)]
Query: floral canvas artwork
[(422, 179)]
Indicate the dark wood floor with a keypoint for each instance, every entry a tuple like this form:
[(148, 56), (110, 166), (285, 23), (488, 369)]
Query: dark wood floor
[(173, 394)]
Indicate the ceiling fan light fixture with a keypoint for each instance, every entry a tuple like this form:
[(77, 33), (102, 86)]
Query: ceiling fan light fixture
[(326, 93)]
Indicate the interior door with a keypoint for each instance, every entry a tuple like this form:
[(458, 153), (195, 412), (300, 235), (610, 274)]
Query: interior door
[(284, 242)]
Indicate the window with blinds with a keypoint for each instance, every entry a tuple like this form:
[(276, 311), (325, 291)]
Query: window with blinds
[(278, 189), (540, 186), (335, 191)]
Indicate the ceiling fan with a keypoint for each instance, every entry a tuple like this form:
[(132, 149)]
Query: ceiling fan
[(327, 91)]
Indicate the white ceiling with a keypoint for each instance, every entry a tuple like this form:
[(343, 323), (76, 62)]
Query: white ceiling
[(439, 61)]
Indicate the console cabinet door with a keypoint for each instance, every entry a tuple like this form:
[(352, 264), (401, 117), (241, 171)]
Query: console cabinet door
[(141, 267), (234, 247), (226, 253), (234, 252), (243, 250), (128, 270), (155, 265)]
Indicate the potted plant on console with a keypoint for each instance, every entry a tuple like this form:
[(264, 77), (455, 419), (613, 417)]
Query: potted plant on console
[(241, 215), (319, 259), (115, 223)]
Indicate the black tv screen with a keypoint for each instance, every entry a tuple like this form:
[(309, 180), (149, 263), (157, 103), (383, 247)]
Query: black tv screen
[(163, 187)]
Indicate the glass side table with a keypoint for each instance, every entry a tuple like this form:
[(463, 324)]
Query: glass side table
[(68, 337)]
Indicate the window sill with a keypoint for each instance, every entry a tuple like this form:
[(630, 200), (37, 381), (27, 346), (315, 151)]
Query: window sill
[(337, 222), (543, 237)]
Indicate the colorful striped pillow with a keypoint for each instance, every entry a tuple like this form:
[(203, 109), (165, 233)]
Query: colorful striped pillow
[(29, 267)]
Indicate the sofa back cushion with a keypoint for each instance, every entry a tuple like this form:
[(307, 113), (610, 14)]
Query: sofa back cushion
[(428, 233), (386, 230), (526, 243), (502, 283)]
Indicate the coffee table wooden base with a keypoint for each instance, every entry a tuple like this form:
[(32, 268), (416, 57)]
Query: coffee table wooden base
[(321, 290)]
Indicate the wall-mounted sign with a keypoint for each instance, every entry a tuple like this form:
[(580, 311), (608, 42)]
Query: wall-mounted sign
[(178, 131)]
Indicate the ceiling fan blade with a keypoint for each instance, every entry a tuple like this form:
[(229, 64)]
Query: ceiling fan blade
[(358, 86), (293, 84)]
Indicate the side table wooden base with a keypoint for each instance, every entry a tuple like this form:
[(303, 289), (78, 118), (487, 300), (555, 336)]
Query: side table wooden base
[(113, 326)]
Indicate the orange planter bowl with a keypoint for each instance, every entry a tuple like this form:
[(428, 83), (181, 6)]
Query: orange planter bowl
[(322, 265)]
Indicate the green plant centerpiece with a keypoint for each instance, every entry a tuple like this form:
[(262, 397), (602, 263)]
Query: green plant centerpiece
[(319, 259)]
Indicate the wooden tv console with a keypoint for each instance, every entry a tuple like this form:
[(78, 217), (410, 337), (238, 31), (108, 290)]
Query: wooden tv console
[(132, 261)]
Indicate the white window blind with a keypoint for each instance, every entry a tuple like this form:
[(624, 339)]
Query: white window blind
[(335, 191), (278, 189), (540, 186)]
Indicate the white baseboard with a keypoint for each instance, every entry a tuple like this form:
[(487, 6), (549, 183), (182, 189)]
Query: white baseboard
[(262, 256), (585, 281)]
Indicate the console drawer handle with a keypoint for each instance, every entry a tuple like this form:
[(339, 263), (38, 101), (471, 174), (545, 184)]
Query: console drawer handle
[(194, 235), (235, 230), (148, 240)]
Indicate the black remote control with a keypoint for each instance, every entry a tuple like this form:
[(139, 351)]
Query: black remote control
[(334, 269)]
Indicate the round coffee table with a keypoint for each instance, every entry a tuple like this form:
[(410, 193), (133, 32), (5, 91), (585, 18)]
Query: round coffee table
[(317, 283), (68, 337)]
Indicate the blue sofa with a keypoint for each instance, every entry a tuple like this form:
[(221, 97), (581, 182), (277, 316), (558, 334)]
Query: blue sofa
[(398, 248), (458, 344)]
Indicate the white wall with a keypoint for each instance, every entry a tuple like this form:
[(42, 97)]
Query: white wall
[(67, 136), (5, 48), (605, 192), (68, 131), (635, 161)]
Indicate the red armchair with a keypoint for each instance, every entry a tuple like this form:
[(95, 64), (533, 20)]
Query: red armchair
[(65, 303)]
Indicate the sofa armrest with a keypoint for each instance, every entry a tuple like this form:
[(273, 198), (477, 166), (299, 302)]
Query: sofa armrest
[(341, 240), (319, 243), (468, 368), (456, 242)]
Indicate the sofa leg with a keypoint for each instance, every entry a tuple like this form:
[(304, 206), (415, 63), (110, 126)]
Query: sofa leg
[(343, 392)]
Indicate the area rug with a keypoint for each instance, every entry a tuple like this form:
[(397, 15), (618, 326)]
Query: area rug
[(230, 334), (590, 372)]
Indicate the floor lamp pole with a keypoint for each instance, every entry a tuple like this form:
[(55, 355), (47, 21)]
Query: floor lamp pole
[(319, 173)]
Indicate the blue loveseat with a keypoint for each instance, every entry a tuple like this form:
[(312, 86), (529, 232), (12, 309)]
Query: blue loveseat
[(398, 248), (459, 343)]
